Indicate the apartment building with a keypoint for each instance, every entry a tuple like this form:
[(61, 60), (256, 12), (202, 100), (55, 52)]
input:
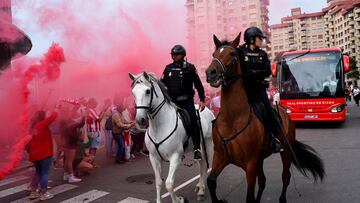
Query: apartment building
[(337, 25), (297, 32), (225, 18), (342, 26)]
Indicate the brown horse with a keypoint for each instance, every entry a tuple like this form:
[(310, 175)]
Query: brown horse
[(239, 136)]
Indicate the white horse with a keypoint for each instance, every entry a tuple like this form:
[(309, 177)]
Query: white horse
[(166, 134)]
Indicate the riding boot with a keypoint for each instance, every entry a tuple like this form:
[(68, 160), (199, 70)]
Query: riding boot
[(276, 145), (196, 142), (273, 127)]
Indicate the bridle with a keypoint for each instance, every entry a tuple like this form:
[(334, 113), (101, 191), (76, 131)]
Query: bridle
[(226, 76), (152, 112)]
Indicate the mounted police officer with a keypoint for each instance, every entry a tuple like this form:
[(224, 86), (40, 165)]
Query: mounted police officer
[(180, 77), (255, 64)]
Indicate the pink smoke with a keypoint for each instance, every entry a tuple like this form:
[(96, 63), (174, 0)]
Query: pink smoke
[(49, 70), (103, 43)]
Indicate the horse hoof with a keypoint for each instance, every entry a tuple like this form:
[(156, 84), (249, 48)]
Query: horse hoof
[(183, 200), (200, 198), (197, 188), (282, 200)]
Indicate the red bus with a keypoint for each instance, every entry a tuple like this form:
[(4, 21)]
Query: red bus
[(311, 84)]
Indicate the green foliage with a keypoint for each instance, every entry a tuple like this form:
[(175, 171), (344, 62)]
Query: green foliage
[(354, 72)]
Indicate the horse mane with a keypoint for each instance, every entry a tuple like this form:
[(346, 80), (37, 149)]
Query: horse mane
[(161, 85)]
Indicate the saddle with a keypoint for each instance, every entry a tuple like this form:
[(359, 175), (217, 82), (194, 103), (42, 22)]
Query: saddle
[(260, 112), (186, 120)]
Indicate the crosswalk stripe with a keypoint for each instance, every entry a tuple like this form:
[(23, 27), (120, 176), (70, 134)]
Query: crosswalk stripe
[(13, 190), (12, 180), (55, 191), (133, 200), (86, 197)]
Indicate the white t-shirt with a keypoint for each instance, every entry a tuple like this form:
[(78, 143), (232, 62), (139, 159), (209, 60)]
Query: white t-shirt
[(356, 91)]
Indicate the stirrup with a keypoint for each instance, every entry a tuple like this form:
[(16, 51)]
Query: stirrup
[(276, 145), (197, 154)]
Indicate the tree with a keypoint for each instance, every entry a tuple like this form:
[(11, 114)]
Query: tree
[(354, 72)]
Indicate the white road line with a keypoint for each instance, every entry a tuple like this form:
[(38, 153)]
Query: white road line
[(182, 185), (133, 200), (13, 190), (12, 180), (55, 191), (86, 197)]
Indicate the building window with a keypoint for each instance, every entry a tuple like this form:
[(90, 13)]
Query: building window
[(253, 24), (253, 6), (252, 15)]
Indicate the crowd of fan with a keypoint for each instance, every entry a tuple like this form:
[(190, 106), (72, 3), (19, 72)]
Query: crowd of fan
[(77, 129)]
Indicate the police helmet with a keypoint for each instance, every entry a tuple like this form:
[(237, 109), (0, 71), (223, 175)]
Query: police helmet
[(178, 49), (251, 33)]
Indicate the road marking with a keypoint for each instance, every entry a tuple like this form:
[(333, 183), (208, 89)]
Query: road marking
[(12, 180), (86, 197), (182, 185), (55, 191), (13, 190), (133, 200)]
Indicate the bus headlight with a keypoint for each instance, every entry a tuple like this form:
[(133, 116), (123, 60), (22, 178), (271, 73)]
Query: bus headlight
[(338, 109), (288, 111)]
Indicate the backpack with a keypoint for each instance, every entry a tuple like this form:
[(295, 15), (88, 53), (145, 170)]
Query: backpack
[(109, 123)]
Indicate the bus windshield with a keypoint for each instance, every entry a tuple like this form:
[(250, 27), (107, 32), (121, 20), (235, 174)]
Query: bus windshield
[(312, 75)]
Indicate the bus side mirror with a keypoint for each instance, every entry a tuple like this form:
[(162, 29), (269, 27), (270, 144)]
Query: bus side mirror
[(274, 69), (346, 60)]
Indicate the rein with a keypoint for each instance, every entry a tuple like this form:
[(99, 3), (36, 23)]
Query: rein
[(226, 76)]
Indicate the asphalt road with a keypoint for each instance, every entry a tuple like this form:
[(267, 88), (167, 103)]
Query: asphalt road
[(133, 182)]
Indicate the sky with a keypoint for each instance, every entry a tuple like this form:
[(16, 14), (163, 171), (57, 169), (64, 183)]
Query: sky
[(41, 40), (281, 8)]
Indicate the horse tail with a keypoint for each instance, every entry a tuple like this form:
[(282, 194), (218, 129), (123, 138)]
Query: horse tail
[(307, 160)]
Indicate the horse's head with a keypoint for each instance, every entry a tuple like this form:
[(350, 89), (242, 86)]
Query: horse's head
[(145, 90), (223, 68)]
